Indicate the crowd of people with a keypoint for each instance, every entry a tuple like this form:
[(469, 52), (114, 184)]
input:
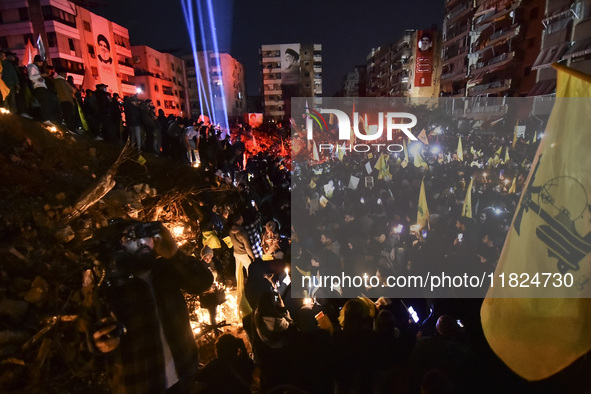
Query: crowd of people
[(346, 219), (44, 93)]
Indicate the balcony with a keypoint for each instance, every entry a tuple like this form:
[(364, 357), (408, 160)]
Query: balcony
[(496, 16), (490, 88), (453, 56), (495, 62), (456, 35), (455, 75), (461, 10)]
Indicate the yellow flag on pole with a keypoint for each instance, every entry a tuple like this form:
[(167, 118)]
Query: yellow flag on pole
[(507, 155), (550, 233), (423, 137), (422, 209), (467, 209), (535, 137), (499, 151), (515, 135), (460, 152), (419, 162), (512, 188)]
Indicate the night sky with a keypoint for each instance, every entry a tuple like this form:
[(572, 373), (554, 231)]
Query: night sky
[(347, 29)]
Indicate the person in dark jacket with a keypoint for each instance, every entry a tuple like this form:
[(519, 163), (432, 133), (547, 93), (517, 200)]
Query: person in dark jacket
[(133, 120), (244, 256), (136, 314), (10, 78), (65, 95)]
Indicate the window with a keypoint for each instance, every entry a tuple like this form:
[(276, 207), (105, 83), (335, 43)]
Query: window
[(23, 14), (136, 60), (71, 44), (158, 62), (55, 14), (156, 88), (172, 66), (91, 51), (158, 103), (167, 90), (307, 74), (51, 39), (86, 25), (174, 79), (94, 71), (306, 63)]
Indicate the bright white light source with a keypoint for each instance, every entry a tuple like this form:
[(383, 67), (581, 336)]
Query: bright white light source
[(138, 90), (415, 149), (435, 149), (413, 314), (398, 229)]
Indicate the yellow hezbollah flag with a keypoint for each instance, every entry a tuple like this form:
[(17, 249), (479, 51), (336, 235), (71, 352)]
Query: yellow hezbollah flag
[(499, 151), (507, 155), (383, 167), (515, 135), (422, 209), (550, 233), (467, 209), (512, 188), (460, 152), (405, 161), (419, 162), (423, 137)]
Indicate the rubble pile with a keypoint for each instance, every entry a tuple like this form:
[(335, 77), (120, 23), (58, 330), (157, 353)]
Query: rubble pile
[(56, 189)]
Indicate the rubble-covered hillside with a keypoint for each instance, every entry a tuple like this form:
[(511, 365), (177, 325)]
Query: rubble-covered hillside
[(56, 189)]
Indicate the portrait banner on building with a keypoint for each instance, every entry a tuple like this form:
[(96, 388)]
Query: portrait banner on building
[(424, 62), (255, 119), (104, 42), (290, 74)]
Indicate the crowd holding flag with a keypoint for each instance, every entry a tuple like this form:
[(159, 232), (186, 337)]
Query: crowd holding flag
[(422, 209), (550, 233), (467, 208)]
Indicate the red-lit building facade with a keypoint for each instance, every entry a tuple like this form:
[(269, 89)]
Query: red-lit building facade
[(93, 49), (162, 78)]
